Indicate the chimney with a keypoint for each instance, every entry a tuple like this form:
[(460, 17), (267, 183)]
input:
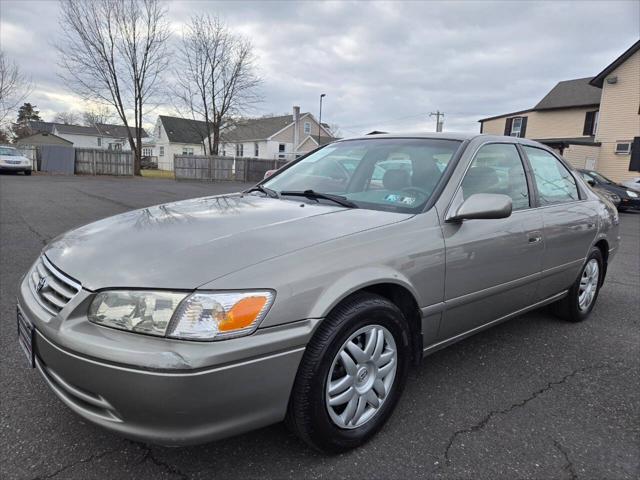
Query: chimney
[(296, 130)]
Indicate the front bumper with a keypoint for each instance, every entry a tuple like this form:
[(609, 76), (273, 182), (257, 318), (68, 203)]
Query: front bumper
[(15, 168), (169, 392), (628, 202)]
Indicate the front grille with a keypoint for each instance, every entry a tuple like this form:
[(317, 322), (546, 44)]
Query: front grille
[(52, 288)]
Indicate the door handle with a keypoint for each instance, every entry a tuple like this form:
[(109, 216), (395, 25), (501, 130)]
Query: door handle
[(535, 239)]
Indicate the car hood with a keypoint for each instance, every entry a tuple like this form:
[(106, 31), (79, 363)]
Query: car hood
[(186, 244)]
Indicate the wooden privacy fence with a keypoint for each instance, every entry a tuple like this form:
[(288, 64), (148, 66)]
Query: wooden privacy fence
[(103, 162), (217, 168)]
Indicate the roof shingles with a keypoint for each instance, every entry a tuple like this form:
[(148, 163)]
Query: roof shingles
[(571, 93)]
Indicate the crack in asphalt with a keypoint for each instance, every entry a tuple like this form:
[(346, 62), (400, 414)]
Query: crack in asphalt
[(43, 238), (170, 469), (489, 416), (106, 199), (64, 468), (569, 465)]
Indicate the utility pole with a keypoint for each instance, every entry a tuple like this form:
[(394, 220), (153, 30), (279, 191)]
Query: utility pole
[(320, 116), (439, 123)]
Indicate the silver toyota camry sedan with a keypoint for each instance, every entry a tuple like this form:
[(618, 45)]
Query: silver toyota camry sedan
[(308, 297)]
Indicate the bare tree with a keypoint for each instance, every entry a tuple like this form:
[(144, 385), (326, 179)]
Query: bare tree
[(216, 77), (97, 115), (68, 118), (14, 86), (113, 52)]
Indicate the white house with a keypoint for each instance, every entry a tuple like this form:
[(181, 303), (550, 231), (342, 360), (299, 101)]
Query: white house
[(284, 137), (100, 136), (176, 136)]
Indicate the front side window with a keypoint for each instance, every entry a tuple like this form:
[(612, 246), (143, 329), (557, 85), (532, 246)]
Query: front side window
[(381, 174), (554, 182), (497, 168)]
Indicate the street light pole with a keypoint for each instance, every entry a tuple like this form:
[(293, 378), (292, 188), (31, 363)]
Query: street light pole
[(320, 116)]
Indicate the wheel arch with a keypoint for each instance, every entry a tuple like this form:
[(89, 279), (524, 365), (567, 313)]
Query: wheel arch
[(392, 285)]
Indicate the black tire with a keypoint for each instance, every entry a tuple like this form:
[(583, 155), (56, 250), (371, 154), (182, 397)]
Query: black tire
[(568, 308), (27, 172), (307, 414)]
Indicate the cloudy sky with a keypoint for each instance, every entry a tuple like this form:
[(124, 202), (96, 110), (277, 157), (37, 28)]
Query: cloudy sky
[(383, 66)]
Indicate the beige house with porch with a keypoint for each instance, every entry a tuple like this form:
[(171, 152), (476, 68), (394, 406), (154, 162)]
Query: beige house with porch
[(592, 122)]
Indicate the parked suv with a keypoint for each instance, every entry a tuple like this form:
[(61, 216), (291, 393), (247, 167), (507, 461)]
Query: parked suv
[(309, 296)]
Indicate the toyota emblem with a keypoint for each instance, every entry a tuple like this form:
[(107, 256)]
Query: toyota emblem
[(41, 284)]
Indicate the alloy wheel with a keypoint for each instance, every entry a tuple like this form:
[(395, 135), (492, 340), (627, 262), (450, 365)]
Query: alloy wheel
[(361, 376), (588, 284)]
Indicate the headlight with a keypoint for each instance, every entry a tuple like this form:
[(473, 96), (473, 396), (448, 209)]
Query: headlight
[(199, 316), (135, 311), (632, 194), (209, 316)]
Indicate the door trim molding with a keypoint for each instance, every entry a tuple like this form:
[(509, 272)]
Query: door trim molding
[(456, 338)]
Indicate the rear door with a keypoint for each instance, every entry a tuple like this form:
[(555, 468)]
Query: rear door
[(570, 222), (492, 266)]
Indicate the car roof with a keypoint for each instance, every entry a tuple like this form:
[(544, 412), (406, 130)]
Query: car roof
[(459, 136)]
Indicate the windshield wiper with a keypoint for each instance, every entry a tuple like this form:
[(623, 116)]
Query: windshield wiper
[(267, 191), (340, 200)]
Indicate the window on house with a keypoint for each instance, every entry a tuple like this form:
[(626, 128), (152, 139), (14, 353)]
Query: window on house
[(553, 181), (516, 127), (239, 150), (256, 150), (187, 150), (281, 148), (147, 152), (162, 151), (99, 141), (307, 128), (221, 150), (623, 147), (590, 123)]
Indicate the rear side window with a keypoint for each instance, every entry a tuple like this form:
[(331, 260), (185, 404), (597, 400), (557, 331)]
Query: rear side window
[(554, 183), (497, 168)]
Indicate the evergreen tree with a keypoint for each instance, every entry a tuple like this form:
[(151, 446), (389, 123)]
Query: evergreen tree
[(26, 113)]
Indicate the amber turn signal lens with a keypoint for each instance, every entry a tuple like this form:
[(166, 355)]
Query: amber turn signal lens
[(242, 314)]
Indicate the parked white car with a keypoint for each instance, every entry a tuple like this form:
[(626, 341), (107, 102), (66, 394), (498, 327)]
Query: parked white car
[(633, 184), (12, 160)]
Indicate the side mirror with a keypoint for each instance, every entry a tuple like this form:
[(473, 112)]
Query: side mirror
[(591, 182), (483, 206)]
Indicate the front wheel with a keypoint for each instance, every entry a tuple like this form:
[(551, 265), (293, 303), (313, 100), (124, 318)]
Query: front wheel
[(577, 305), (352, 374), (27, 172)]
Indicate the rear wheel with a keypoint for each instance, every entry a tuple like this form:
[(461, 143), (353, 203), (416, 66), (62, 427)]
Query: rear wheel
[(577, 305), (352, 374)]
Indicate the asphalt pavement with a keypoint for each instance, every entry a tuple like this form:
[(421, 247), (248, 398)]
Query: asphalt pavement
[(535, 397)]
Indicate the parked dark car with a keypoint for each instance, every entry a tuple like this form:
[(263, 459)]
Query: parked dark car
[(628, 197), (148, 163)]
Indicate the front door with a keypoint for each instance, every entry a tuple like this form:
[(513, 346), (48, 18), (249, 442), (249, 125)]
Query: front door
[(492, 266)]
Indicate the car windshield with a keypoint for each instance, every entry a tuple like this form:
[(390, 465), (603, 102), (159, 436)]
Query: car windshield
[(397, 174), (9, 151)]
